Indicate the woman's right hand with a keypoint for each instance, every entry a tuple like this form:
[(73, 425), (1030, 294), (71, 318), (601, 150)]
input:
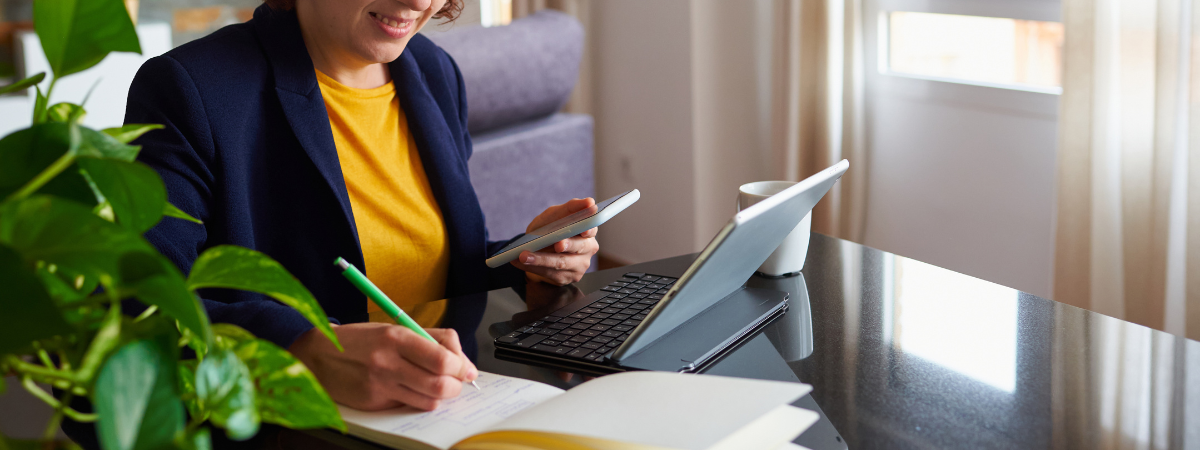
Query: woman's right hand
[(386, 366)]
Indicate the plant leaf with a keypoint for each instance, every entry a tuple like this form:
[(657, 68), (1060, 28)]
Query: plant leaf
[(187, 385), (39, 106), (136, 396), (225, 390), (77, 34), (228, 336), (201, 439), (134, 190), (95, 143), (29, 313), (65, 113), (171, 211), (26, 153), (157, 282), (288, 393), (127, 133), (233, 267), (44, 228), (23, 83)]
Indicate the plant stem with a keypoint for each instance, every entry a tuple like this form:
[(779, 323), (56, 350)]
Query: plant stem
[(56, 419), (59, 165), (45, 358), (33, 369), (151, 310)]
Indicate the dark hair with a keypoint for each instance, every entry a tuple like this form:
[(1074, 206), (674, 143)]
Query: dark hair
[(449, 11)]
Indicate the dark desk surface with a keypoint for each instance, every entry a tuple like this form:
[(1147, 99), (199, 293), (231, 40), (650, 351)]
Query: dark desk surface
[(902, 354)]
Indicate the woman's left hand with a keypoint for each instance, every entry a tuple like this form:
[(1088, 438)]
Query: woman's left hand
[(566, 260)]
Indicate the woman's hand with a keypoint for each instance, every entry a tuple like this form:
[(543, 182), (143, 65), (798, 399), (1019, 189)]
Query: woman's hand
[(385, 366), (566, 260)]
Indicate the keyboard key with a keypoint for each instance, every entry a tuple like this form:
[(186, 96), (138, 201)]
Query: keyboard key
[(595, 357), (612, 310), (622, 328), (579, 352), (570, 344), (568, 332), (648, 301), (638, 317), (599, 327), (550, 342), (580, 339), (635, 274), (602, 339), (610, 322), (622, 338), (646, 291), (623, 305), (638, 296), (592, 345), (510, 338), (546, 331), (588, 310), (552, 349), (636, 306), (539, 323), (619, 283), (655, 296), (620, 316), (579, 315), (589, 333), (601, 316), (612, 334), (650, 278), (610, 288), (626, 291), (530, 341), (590, 321), (655, 286), (558, 326), (568, 320), (631, 322)]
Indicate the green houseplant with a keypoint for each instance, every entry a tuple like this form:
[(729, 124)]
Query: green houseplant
[(73, 206)]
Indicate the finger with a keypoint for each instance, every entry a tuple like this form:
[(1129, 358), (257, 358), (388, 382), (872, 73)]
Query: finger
[(430, 356), (404, 395), (449, 339), (419, 380), (565, 376), (590, 233), (558, 268), (576, 245)]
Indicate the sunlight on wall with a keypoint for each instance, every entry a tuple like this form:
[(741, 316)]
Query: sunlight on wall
[(964, 324)]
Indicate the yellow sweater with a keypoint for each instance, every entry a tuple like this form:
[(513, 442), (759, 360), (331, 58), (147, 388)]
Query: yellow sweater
[(400, 226)]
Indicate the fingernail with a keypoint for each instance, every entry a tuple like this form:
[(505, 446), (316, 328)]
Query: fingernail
[(528, 259), (474, 373)]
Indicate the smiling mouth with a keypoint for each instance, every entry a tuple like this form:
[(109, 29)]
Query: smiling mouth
[(391, 22)]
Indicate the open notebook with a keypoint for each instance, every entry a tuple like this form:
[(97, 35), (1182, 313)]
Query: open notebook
[(630, 410)]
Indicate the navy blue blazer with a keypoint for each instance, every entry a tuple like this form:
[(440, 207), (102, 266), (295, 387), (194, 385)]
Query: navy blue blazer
[(248, 150)]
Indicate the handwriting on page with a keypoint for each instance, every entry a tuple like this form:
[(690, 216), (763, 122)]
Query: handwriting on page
[(496, 399)]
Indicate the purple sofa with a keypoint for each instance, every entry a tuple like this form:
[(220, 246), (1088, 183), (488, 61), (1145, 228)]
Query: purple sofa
[(528, 155)]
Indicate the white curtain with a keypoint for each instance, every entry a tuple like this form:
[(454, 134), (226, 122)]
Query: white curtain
[(1128, 229), (817, 105)]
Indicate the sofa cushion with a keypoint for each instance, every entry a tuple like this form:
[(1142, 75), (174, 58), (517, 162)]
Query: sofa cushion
[(516, 72), (521, 170)]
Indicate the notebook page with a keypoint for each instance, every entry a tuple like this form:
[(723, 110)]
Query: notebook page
[(472, 411), (657, 408)]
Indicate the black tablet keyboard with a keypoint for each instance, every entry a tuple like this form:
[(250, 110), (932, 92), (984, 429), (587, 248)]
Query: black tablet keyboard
[(593, 331)]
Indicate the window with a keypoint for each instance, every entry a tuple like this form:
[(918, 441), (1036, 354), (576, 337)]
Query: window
[(988, 51)]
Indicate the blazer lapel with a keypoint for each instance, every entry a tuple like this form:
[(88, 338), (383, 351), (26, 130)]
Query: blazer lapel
[(445, 166), (300, 97)]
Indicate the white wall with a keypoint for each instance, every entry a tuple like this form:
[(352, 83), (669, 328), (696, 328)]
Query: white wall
[(677, 109)]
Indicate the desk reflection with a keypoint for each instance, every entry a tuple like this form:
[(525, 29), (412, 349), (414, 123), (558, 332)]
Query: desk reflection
[(792, 334)]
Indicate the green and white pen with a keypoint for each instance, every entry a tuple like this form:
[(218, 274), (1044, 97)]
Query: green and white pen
[(365, 285)]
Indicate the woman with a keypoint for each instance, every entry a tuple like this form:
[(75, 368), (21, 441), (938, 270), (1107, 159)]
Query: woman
[(326, 128)]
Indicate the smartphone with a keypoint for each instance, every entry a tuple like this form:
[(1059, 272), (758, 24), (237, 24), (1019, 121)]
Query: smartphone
[(565, 227)]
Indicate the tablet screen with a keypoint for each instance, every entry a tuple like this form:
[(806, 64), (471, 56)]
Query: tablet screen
[(560, 224)]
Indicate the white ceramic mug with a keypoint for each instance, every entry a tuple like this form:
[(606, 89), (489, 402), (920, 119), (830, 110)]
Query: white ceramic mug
[(788, 258)]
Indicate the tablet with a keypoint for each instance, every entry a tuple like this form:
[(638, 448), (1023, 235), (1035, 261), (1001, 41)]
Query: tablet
[(563, 228)]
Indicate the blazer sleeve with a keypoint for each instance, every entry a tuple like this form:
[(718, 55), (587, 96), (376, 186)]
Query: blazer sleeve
[(183, 153), (506, 275)]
